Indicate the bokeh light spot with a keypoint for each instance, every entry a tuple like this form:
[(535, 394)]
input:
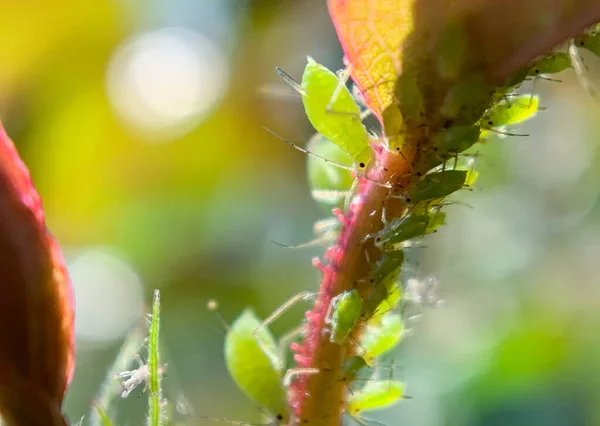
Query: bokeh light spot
[(108, 294), (163, 83)]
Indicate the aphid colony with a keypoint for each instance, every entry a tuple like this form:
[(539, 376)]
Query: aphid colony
[(341, 154)]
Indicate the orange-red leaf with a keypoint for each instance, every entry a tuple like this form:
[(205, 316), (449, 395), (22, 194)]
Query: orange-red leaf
[(371, 33), (36, 301)]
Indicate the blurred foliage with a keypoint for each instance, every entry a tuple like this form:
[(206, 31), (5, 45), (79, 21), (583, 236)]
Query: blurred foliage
[(194, 214)]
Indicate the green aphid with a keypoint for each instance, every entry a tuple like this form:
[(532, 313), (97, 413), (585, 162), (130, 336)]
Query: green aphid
[(376, 394), (342, 314), (392, 120), (447, 144), (410, 98), (413, 226), (452, 51), (466, 100), (255, 372), (387, 267), (384, 281), (352, 366), (437, 185), (436, 219), (400, 230), (550, 64), (330, 185), (380, 337), (590, 41), (511, 111), (337, 119)]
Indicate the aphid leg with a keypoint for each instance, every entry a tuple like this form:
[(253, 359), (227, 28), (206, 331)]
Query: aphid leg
[(289, 337), (293, 372), (333, 163), (305, 295), (351, 193), (290, 81), (343, 76)]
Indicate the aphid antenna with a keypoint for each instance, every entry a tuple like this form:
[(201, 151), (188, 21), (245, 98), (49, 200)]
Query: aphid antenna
[(503, 133), (213, 306), (290, 81), (293, 372), (231, 422), (277, 91), (310, 243), (333, 163), (305, 295)]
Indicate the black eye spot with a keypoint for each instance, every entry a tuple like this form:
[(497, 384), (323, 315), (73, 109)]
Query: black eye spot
[(397, 148), (361, 165), (279, 417), (378, 239), (408, 200), (419, 174), (581, 43), (490, 123), (447, 124), (435, 149)]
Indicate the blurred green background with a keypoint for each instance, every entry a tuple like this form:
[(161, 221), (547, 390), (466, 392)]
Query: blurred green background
[(141, 124)]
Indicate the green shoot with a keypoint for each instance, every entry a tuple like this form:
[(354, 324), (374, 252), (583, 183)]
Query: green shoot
[(155, 403)]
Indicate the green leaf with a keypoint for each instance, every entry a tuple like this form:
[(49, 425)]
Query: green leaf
[(155, 415)]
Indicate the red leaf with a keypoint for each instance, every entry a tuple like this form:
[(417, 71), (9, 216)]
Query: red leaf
[(371, 33), (36, 301)]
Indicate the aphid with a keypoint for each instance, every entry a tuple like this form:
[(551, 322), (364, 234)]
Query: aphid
[(400, 230), (550, 64), (253, 370), (330, 185), (136, 377), (511, 111), (332, 110), (436, 185), (589, 41), (413, 227), (342, 314), (380, 337), (352, 366), (449, 143), (375, 395)]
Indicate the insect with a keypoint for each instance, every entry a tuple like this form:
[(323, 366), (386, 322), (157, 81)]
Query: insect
[(330, 185), (511, 111), (400, 230), (136, 377), (381, 336), (550, 64), (256, 371), (436, 185), (375, 395), (332, 110), (449, 143), (590, 41), (342, 314)]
